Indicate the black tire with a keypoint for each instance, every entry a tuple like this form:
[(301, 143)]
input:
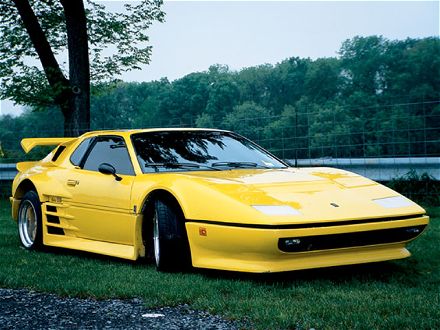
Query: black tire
[(170, 242), (29, 221)]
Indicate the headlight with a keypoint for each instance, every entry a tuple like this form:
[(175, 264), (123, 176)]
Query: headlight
[(276, 209), (393, 202)]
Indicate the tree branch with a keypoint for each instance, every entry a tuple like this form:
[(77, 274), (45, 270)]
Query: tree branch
[(55, 76)]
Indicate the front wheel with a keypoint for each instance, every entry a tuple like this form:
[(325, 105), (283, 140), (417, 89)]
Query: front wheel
[(170, 242), (29, 221)]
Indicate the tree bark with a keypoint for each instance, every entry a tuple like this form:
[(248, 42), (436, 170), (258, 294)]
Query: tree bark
[(71, 95), (79, 68)]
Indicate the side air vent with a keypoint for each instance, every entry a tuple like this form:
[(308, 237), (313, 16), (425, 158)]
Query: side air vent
[(53, 219), (55, 230), (58, 152), (51, 208)]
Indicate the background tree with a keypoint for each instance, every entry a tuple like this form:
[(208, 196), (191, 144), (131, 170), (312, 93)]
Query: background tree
[(249, 119), (379, 98), (49, 29)]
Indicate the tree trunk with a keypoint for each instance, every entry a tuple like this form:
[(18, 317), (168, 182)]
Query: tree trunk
[(77, 119), (73, 95)]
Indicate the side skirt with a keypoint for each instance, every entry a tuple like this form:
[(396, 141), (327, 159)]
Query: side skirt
[(58, 232), (105, 248)]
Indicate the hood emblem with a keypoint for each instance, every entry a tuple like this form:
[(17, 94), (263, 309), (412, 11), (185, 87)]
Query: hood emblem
[(334, 204)]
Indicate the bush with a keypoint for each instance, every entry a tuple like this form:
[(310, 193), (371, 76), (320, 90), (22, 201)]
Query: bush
[(422, 188)]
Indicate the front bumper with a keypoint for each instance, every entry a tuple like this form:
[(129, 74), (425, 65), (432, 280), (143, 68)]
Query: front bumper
[(235, 248)]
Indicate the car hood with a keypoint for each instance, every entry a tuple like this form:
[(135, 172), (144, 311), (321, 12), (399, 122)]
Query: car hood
[(319, 194), (272, 176)]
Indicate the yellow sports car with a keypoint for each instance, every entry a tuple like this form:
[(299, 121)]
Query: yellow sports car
[(207, 199)]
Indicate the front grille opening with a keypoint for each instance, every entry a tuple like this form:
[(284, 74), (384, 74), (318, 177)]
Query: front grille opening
[(55, 230), (338, 241)]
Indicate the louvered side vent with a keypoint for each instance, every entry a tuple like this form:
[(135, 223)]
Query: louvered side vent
[(55, 230), (53, 219), (51, 208)]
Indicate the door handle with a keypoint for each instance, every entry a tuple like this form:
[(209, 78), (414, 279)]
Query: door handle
[(72, 183)]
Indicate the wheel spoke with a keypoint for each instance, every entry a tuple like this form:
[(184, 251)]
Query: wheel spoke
[(156, 238), (27, 224)]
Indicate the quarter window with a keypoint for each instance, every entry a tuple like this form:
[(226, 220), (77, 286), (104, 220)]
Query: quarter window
[(78, 154), (111, 150), (58, 152)]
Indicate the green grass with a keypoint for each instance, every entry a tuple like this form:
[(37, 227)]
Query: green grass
[(402, 294)]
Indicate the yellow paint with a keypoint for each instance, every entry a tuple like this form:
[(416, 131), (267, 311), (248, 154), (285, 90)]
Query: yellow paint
[(97, 213), (29, 144), (256, 250)]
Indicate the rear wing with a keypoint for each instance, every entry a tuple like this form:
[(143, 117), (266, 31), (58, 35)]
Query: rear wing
[(30, 143)]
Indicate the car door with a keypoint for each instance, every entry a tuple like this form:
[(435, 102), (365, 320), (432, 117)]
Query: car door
[(100, 203)]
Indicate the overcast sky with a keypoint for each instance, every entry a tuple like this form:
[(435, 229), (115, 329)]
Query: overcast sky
[(242, 34)]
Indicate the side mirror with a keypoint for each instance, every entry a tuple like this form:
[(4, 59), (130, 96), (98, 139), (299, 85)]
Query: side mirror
[(108, 169)]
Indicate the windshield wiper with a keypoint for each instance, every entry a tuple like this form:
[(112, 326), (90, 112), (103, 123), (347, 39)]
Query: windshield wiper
[(238, 165), (180, 165)]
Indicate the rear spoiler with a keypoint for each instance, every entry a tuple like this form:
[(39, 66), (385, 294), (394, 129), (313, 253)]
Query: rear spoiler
[(29, 144)]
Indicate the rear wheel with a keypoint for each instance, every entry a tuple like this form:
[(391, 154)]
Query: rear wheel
[(29, 221), (170, 242)]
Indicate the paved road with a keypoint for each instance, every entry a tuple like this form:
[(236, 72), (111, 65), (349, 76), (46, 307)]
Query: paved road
[(25, 309)]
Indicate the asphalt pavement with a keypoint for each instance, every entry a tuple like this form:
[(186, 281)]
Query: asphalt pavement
[(26, 309)]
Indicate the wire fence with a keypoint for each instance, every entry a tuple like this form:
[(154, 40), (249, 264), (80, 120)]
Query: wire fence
[(410, 130), (397, 130)]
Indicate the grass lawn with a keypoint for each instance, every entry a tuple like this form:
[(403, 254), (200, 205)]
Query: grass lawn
[(402, 294)]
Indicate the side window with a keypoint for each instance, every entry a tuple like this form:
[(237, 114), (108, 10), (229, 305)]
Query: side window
[(111, 150), (79, 152)]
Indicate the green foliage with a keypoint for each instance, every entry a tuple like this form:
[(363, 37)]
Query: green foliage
[(322, 80), (205, 121), (223, 92), (118, 42), (249, 119), (379, 98), (363, 60), (330, 131), (30, 124), (282, 134), (402, 294), (421, 188), (257, 84)]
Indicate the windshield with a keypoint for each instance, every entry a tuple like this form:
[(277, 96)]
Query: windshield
[(199, 150)]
